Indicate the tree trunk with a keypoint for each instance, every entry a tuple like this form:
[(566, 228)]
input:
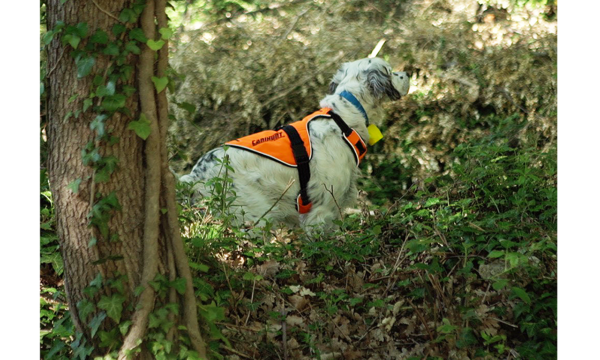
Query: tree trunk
[(109, 218)]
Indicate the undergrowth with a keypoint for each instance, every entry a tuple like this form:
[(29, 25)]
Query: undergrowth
[(465, 266)]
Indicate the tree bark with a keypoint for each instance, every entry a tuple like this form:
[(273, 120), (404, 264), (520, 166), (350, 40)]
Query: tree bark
[(142, 240)]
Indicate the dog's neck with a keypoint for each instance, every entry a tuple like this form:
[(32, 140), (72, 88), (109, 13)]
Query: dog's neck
[(354, 101), (355, 111)]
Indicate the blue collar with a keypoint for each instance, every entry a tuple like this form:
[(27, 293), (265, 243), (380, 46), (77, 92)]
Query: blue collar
[(354, 101)]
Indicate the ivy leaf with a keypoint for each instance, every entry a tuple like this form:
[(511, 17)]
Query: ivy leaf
[(113, 305), (127, 15), (111, 49), (74, 186), (522, 294), (179, 285), (98, 124), (165, 33), (500, 284), (99, 37), (118, 29), (191, 108), (72, 39), (160, 83), (84, 66), (107, 90), (86, 104), (96, 322), (47, 38), (85, 308), (133, 48), (138, 34), (124, 327), (141, 127), (81, 29), (155, 45), (114, 102), (97, 282)]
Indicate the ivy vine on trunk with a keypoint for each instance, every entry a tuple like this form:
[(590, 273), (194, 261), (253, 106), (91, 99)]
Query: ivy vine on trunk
[(115, 196)]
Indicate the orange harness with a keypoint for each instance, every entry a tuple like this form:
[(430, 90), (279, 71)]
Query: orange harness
[(291, 146)]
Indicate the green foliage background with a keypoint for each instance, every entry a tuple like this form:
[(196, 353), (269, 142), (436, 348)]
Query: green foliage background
[(453, 250)]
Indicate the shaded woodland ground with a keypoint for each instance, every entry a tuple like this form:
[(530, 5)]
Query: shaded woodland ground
[(451, 253)]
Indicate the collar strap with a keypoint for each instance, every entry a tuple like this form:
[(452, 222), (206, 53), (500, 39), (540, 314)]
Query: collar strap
[(354, 101)]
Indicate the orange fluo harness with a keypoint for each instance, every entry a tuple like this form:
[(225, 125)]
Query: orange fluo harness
[(291, 146)]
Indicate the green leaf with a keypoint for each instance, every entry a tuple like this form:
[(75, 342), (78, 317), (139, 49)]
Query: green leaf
[(111, 49), (138, 290), (96, 322), (199, 267), (97, 282), (212, 313), (47, 38), (84, 66), (82, 30), (86, 104), (138, 34), (141, 127), (124, 327), (92, 242), (114, 102), (133, 48), (500, 284), (127, 15), (160, 83), (521, 294), (179, 285), (85, 308), (118, 29), (99, 37), (98, 124), (72, 40), (165, 33), (155, 45), (113, 305), (431, 202), (74, 185), (496, 254), (191, 108), (107, 90)]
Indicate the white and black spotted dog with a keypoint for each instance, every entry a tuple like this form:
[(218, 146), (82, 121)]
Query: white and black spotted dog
[(355, 93)]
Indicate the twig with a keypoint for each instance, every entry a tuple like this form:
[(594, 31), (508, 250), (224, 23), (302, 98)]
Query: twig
[(422, 319), (292, 181), (57, 62), (377, 48), (236, 352), (291, 28), (104, 11), (302, 81), (334, 200), (251, 300)]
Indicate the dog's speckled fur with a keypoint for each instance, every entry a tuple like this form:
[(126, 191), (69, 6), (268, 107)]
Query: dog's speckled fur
[(258, 182)]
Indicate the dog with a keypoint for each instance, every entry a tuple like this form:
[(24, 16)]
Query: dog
[(279, 188)]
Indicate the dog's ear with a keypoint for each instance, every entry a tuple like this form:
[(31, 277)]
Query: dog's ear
[(337, 78), (381, 84)]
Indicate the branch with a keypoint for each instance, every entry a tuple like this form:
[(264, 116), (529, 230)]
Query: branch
[(152, 190), (190, 314), (104, 11)]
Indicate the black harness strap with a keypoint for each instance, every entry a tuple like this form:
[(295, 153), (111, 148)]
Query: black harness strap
[(302, 160)]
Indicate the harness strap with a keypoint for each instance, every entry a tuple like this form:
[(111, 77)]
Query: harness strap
[(303, 203), (353, 140)]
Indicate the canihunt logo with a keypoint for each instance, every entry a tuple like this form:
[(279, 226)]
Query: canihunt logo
[(276, 136)]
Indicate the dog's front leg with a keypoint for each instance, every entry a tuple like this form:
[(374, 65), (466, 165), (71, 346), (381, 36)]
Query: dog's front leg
[(320, 219)]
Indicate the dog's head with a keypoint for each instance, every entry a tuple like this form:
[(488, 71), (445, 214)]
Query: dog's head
[(374, 76)]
